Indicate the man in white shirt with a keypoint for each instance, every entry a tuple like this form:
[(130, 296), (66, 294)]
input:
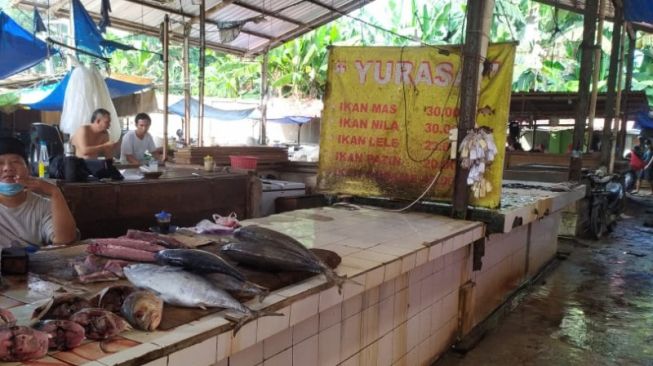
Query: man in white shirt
[(135, 143), (32, 210)]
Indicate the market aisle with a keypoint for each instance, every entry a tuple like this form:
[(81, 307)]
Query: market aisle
[(596, 308)]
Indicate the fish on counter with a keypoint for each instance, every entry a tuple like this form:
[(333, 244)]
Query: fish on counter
[(197, 260), (61, 307), (143, 310), (237, 287), (99, 324), (98, 269), (111, 298), (120, 252), (154, 238), (19, 343), (181, 288), (270, 250), (130, 243), (64, 334), (7, 318)]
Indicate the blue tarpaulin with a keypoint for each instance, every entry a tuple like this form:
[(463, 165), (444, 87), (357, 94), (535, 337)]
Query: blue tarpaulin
[(638, 11), (54, 100), (87, 34), (19, 48), (643, 120), (295, 120), (210, 112)]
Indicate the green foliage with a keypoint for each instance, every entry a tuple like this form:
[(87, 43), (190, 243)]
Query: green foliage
[(548, 54)]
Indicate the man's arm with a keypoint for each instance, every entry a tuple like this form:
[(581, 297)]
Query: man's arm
[(63, 222)]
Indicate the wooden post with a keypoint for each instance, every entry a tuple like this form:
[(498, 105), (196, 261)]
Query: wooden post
[(586, 64), (618, 116), (200, 108), (186, 66), (629, 84), (595, 75), (479, 17), (166, 84), (606, 136), (264, 98)]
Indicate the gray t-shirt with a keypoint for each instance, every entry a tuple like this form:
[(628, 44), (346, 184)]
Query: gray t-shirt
[(132, 145), (30, 222)]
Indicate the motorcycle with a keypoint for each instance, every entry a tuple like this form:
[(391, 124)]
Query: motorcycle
[(607, 197)]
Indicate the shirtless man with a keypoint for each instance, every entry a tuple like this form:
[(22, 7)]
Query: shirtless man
[(92, 140)]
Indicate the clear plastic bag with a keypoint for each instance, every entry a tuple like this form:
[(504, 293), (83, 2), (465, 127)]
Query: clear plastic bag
[(86, 92)]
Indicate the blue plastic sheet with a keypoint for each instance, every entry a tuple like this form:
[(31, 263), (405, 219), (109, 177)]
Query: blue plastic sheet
[(25, 49), (54, 100), (638, 11), (87, 34), (210, 112), (643, 120), (295, 120)]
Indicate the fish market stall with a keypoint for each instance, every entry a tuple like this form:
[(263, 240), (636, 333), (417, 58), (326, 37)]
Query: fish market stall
[(416, 281)]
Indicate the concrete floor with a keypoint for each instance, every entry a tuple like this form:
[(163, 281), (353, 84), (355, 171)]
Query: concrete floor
[(595, 308)]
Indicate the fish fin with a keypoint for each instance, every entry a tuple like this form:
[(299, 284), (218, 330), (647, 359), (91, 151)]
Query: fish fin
[(42, 310), (255, 314)]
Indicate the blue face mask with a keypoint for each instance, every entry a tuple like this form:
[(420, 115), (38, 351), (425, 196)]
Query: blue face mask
[(10, 189)]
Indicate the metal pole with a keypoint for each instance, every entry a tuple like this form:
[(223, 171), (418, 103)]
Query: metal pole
[(264, 98), (607, 138), (584, 79), (166, 84), (202, 70), (595, 76), (629, 84), (186, 66), (479, 17)]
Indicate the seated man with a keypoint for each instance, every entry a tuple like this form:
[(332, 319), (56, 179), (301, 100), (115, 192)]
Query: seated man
[(26, 216), (135, 143), (92, 140)]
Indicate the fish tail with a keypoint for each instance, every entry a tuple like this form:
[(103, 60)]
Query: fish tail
[(336, 279)]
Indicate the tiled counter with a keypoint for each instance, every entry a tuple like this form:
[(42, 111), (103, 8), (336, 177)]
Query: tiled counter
[(412, 292)]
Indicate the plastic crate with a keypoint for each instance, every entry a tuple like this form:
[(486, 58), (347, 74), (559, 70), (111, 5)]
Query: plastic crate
[(243, 162)]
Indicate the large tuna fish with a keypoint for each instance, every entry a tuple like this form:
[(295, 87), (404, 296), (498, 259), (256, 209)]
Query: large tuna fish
[(22, 343), (64, 334), (143, 310), (178, 287), (199, 261), (237, 287), (291, 255)]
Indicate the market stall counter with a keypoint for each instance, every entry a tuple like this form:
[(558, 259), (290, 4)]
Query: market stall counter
[(414, 285), (109, 208)]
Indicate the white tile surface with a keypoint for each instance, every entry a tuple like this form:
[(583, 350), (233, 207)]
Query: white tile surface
[(201, 354)]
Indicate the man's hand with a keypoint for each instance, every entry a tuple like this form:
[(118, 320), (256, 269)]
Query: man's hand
[(37, 185)]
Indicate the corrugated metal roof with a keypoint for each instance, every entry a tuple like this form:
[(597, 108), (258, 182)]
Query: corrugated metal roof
[(283, 20)]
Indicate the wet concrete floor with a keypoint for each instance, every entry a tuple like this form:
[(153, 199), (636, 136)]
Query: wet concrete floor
[(595, 308)]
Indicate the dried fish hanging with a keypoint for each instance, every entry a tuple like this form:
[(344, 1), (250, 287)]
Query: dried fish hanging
[(477, 151)]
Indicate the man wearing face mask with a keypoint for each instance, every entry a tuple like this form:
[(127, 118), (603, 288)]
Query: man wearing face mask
[(31, 209)]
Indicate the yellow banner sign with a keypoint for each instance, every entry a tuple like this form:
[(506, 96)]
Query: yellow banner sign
[(387, 116)]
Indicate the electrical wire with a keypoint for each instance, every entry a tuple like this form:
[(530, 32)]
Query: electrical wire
[(505, 19)]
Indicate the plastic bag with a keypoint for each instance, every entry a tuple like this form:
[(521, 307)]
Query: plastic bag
[(228, 221), (86, 92)]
